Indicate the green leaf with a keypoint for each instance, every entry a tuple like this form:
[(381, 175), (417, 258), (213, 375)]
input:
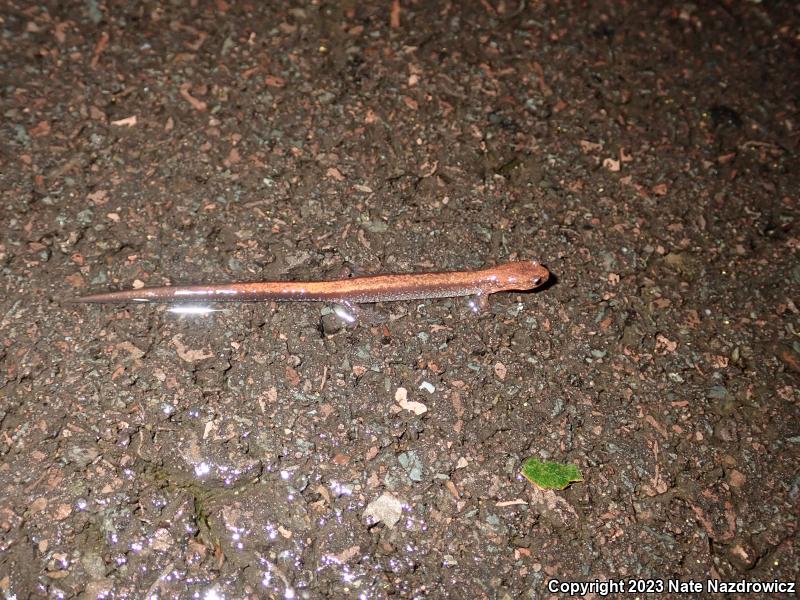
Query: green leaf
[(550, 475)]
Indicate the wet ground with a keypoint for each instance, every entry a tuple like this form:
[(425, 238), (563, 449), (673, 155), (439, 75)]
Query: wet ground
[(646, 154)]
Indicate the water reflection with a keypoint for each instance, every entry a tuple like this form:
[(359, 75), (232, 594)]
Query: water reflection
[(192, 309), (202, 469), (345, 313), (213, 594)]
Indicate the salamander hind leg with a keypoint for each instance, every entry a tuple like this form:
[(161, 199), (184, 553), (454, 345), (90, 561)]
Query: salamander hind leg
[(346, 315)]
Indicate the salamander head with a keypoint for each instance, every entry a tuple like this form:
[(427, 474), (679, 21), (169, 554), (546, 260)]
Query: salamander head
[(522, 275)]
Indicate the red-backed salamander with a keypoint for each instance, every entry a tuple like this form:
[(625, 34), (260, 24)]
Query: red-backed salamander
[(514, 276)]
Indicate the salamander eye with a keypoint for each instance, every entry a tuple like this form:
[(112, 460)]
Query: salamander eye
[(537, 280)]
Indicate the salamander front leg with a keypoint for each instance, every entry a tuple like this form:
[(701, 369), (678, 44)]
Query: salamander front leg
[(478, 304)]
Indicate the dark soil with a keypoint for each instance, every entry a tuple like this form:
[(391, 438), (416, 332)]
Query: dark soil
[(646, 153)]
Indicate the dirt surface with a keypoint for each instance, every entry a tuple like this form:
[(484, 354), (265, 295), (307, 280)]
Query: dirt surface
[(646, 154)]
